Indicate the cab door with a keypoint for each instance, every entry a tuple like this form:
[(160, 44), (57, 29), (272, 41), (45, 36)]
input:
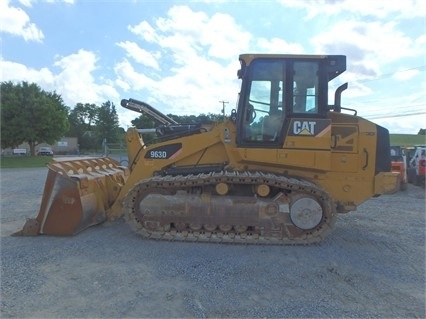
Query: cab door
[(282, 112)]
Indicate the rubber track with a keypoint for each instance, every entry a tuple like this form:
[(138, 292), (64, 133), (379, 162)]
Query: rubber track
[(165, 183)]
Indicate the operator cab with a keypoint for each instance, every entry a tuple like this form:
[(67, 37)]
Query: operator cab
[(278, 88)]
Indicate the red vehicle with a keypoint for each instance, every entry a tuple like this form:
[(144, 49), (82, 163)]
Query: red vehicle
[(421, 176)]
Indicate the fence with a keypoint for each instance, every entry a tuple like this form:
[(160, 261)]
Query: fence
[(117, 151)]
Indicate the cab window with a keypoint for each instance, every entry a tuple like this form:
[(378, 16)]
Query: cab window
[(264, 110), (305, 87)]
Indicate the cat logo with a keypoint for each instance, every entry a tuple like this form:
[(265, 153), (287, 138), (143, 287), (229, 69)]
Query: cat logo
[(305, 127)]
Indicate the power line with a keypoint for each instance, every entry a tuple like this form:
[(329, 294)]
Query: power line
[(390, 74), (392, 111), (392, 115), (378, 108)]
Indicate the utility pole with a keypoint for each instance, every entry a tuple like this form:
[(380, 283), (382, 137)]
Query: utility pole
[(223, 107)]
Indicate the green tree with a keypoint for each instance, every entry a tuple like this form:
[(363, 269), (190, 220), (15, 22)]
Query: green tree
[(192, 119), (92, 124), (422, 131), (30, 114), (83, 118), (107, 124), (144, 122)]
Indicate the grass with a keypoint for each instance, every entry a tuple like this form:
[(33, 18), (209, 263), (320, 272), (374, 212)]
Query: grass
[(24, 161)]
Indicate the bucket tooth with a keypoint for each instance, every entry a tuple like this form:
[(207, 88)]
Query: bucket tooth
[(31, 228)]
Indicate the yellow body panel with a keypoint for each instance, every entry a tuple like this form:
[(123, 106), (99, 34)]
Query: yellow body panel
[(341, 160)]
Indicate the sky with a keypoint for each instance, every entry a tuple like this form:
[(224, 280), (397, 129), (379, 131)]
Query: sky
[(182, 56)]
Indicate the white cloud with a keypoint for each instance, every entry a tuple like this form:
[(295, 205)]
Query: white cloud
[(420, 43), (374, 41), (406, 74), (16, 21), (198, 52), (380, 9), (26, 3), (29, 3), (64, 1), (16, 72), (369, 47), (275, 45), (356, 90), (405, 125), (198, 92), (128, 78), (145, 30), (186, 33), (76, 83), (196, 47), (224, 37), (140, 55), (185, 91)]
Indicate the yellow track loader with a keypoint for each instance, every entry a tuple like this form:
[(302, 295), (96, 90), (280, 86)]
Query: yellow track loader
[(278, 170)]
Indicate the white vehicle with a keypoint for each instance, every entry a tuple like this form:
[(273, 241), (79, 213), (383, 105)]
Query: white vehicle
[(47, 151), (419, 162), (19, 151)]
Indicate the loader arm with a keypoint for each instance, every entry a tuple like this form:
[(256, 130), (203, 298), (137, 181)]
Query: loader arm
[(145, 108), (197, 153)]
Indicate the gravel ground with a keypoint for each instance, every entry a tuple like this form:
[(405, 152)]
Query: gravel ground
[(372, 265)]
